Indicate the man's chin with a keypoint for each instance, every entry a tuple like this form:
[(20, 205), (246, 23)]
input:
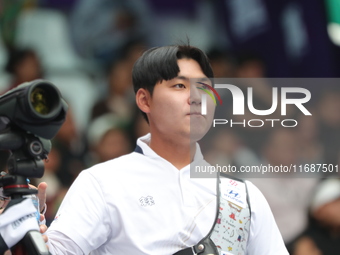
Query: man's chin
[(196, 134)]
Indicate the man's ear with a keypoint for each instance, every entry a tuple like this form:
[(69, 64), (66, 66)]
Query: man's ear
[(143, 98)]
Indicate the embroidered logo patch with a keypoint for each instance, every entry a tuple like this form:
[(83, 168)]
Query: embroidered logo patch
[(234, 193), (145, 201)]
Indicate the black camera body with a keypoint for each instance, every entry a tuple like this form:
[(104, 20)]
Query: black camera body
[(30, 115)]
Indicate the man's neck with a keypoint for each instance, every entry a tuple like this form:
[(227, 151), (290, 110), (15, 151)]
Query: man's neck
[(178, 154)]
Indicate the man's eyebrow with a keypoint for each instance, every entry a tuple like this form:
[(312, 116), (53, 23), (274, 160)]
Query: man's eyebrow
[(203, 79)]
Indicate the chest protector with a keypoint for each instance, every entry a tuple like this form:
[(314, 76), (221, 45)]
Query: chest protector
[(230, 232)]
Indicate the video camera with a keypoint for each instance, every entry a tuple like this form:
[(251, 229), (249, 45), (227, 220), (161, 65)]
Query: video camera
[(30, 115)]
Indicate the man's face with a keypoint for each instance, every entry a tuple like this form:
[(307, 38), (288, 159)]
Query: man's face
[(175, 105)]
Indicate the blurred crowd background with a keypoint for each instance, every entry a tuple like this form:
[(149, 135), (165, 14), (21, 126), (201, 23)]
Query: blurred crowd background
[(87, 49)]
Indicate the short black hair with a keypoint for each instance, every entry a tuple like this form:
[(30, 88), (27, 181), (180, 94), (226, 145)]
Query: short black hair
[(160, 63)]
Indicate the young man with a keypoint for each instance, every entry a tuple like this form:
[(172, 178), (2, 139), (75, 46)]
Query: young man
[(145, 202)]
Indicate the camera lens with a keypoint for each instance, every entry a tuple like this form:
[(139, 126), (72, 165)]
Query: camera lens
[(39, 101), (43, 101)]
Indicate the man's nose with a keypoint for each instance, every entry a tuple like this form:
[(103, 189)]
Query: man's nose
[(195, 96)]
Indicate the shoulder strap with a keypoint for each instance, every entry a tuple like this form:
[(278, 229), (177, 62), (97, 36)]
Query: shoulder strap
[(245, 184)]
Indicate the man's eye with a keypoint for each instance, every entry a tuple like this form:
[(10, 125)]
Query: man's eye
[(202, 85), (179, 86)]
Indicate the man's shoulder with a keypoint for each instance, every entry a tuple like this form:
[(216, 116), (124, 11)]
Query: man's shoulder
[(122, 165)]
